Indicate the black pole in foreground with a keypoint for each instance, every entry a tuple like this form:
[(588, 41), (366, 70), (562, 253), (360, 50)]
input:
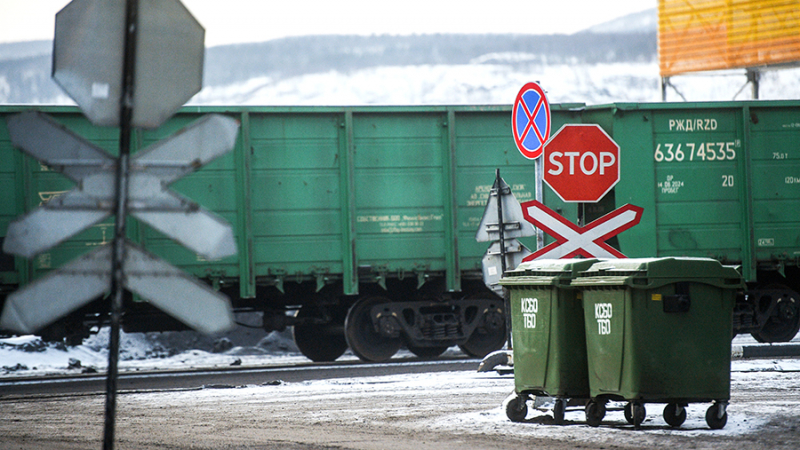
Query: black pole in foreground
[(498, 190), (501, 227), (121, 195)]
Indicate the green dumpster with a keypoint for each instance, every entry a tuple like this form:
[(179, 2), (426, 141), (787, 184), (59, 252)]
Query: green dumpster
[(547, 334), (659, 331)]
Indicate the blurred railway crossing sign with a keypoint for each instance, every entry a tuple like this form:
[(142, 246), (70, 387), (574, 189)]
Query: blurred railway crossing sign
[(89, 276), (92, 169), (151, 171), (89, 53), (531, 120), (127, 64), (573, 240)]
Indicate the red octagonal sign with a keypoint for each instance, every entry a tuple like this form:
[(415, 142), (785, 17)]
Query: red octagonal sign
[(581, 163)]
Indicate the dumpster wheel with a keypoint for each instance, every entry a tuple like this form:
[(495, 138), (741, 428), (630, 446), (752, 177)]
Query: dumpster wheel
[(717, 416), (639, 413), (517, 408), (559, 409), (674, 414), (628, 412), (635, 413), (595, 411)]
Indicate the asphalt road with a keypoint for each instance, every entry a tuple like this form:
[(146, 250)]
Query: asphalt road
[(449, 406)]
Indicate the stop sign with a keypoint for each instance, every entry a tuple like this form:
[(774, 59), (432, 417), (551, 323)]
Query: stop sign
[(581, 163)]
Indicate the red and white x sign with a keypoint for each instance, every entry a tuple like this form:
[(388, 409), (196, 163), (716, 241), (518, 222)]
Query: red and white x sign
[(573, 240)]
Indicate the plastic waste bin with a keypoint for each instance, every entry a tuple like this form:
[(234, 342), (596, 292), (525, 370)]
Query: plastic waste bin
[(659, 331), (547, 334)]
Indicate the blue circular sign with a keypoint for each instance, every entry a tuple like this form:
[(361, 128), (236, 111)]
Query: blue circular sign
[(531, 120)]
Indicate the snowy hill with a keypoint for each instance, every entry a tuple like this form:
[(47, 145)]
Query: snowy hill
[(611, 62), (642, 21)]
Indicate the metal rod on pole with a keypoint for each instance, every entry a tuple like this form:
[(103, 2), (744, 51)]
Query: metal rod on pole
[(121, 196), (754, 78), (501, 227), (539, 180)]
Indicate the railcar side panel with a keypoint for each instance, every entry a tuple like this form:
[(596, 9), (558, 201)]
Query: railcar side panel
[(400, 191), (296, 205), (774, 142)]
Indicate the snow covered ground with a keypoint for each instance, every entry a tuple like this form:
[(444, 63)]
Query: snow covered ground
[(450, 408), (30, 356)]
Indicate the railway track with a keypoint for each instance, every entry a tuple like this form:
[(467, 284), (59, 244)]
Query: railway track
[(228, 377)]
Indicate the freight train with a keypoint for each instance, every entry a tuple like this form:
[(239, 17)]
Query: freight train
[(356, 225)]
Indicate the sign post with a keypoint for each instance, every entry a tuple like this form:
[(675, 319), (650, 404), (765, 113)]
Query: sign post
[(531, 123), (581, 163), (581, 166), (531, 120), (502, 223)]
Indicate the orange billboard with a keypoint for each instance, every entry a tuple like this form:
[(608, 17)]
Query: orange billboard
[(697, 35)]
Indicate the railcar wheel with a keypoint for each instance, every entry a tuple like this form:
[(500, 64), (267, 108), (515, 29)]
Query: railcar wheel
[(426, 352), (517, 408), (319, 342), (595, 411), (716, 416), (365, 342), (559, 410), (485, 340), (674, 415), (784, 326), (489, 336)]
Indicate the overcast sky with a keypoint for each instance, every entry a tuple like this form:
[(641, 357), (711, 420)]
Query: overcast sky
[(235, 21)]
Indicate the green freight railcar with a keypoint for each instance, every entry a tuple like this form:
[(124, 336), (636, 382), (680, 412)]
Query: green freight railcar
[(718, 180), (354, 225), (360, 222)]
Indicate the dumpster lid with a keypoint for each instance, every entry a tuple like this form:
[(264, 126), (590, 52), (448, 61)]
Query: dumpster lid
[(554, 268), (668, 267)]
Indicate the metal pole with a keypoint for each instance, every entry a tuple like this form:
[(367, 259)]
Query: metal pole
[(501, 229), (121, 194), (538, 180), (754, 77), (500, 224)]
